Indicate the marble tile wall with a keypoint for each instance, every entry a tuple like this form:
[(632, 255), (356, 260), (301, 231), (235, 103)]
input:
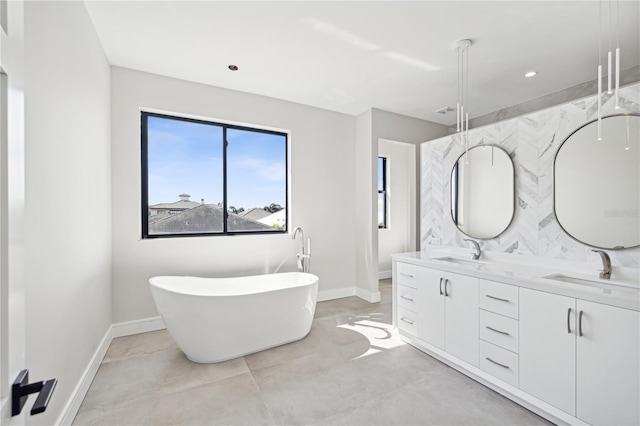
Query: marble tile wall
[(532, 141)]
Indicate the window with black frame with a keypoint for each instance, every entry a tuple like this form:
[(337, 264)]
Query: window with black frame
[(204, 178), (382, 192)]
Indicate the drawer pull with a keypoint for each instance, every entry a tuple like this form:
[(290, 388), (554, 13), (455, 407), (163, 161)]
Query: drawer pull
[(497, 298), (498, 331), (408, 321), (406, 298), (406, 275), (496, 363)]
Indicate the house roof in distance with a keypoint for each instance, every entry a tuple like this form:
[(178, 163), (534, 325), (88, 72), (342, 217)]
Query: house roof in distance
[(255, 213), (206, 218), (177, 205)]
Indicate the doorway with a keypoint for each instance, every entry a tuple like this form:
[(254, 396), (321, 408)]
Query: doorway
[(396, 202)]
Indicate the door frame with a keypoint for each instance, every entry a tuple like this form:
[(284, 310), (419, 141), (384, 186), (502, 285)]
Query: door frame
[(411, 239), (12, 199)]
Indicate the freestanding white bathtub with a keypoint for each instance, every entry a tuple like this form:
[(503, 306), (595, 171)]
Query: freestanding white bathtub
[(216, 319)]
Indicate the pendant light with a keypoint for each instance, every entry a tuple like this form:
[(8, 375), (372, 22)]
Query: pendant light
[(626, 145), (462, 105), (617, 92), (600, 70), (610, 69)]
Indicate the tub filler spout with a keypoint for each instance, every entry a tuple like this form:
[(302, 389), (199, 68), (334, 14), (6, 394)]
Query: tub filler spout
[(304, 259)]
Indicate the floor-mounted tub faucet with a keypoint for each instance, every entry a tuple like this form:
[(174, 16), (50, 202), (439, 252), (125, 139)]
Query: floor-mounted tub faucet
[(295, 233), (605, 272), (476, 255), (304, 259)]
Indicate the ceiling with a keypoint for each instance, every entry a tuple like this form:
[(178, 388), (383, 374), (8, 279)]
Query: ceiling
[(348, 56)]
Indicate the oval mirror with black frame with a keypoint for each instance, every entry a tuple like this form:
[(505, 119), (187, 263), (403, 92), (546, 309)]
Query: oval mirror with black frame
[(597, 183), (483, 192)]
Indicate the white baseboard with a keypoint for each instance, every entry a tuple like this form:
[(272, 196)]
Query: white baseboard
[(338, 293), (383, 275), (115, 330), (369, 296), (144, 325), (70, 410)]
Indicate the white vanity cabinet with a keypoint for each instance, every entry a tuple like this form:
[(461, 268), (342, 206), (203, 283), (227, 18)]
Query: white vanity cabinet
[(608, 365), (499, 330), (440, 308), (582, 357), (431, 307), (407, 297), (548, 348), (448, 312), (569, 354)]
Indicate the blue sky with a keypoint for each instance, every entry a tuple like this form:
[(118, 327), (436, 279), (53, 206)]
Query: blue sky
[(186, 157)]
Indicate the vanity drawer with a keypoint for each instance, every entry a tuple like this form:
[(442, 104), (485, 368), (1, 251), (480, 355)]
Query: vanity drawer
[(499, 298), (500, 330), (407, 297), (407, 274), (499, 362), (408, 321)]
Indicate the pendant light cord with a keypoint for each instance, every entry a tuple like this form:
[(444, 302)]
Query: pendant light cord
[(599, 34)]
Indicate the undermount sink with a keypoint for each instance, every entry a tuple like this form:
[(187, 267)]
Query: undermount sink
[(612, 286), (459, 261)]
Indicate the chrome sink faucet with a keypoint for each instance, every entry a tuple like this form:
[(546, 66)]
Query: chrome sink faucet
[(605, 272), (476, 255)]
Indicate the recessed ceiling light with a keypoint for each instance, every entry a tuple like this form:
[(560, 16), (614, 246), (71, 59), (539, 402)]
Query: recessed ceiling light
[(531, 74), (233, 67)]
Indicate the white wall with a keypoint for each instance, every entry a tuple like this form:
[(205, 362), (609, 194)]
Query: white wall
[(322, 186), (68, 196), (372, 126), (365, 211), (399, 236)]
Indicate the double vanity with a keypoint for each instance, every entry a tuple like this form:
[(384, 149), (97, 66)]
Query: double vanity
[(558, 336), (565, 345)]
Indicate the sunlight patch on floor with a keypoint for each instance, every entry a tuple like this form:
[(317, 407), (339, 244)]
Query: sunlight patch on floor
[(381, 337)]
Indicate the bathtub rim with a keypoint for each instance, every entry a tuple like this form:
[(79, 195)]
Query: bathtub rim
[(181, 291)]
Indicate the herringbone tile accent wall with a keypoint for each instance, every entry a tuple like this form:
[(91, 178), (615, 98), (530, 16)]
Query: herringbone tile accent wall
[(532, 142)]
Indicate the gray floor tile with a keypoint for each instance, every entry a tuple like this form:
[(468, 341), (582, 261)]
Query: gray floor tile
[(139, 345), (351, 369), (155, 374), (448, 398), (235, 400)]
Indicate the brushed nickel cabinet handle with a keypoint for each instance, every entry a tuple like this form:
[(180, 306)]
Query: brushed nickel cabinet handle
[(441, 286), (408, 321), (496, 363), (406, 275), (446, 282), (406, 298), (580, 323), (497, 298), (497, 331), (569, 320)]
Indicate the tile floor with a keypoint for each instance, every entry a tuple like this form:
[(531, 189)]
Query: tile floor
[(351, 369)]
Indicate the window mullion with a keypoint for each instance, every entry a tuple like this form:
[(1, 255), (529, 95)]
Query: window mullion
[(225, 212)]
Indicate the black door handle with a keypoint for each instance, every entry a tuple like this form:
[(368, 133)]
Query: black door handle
[(21, 389)]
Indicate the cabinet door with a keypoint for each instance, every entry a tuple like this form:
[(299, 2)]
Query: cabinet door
[(431, 307), (608, 365), (462, 313), (548, 348)]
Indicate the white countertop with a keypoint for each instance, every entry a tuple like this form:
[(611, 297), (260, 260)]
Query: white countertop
[(622, 290)]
